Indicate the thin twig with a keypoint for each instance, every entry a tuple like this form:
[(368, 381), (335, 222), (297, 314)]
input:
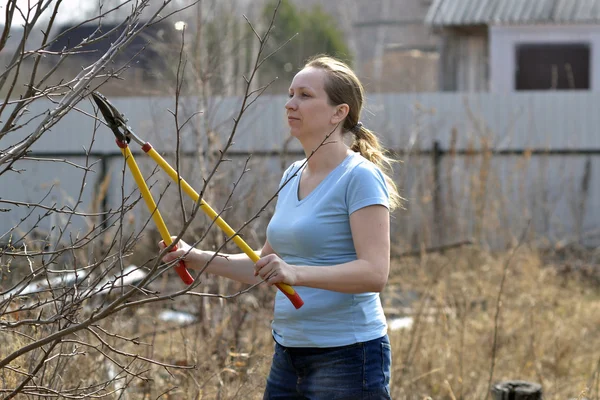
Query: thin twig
[(499, 306)]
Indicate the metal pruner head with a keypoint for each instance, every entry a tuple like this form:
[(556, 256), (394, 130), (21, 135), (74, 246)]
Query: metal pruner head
[(114, 119)]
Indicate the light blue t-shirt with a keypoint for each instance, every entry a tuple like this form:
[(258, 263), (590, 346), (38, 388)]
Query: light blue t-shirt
[(315, 231)]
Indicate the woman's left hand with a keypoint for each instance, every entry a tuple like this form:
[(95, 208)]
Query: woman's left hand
[(274, 270)]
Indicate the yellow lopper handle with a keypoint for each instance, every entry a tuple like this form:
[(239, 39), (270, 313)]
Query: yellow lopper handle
[(286, 289)]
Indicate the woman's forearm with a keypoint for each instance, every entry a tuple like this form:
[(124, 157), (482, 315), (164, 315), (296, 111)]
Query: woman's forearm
[(358, 276), (238, 267)]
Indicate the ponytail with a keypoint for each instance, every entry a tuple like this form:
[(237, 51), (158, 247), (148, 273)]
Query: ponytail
[(366, 143), (343, 87)]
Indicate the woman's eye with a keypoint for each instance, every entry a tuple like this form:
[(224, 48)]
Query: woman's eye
[(290, 95)]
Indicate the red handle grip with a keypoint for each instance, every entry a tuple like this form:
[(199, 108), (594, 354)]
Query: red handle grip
[(291, 294), (182, 271)]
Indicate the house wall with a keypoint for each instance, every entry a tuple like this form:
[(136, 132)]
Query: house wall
[(504, 39), (464, 60)]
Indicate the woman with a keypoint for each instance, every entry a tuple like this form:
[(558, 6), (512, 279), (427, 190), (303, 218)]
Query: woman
[(329, 238)]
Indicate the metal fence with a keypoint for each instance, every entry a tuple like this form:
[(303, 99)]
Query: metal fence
[(473, 165)]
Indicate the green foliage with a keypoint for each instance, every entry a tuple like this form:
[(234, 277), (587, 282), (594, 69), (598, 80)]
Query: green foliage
[(316, 32)]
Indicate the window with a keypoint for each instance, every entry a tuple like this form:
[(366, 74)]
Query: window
[(552, 66)]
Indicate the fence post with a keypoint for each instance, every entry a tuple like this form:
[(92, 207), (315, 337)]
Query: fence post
[(517, 390), (438, 217), (104, 200)]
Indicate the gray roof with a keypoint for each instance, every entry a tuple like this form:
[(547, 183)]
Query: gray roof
[(501, 12)]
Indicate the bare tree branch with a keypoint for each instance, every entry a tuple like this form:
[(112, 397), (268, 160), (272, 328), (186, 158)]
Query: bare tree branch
[(67, 287)]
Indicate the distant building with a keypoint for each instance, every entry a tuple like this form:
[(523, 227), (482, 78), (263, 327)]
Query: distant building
[(505, 46), (148, 52)]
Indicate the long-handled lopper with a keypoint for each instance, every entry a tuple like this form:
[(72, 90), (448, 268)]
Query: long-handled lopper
[(123, 133)]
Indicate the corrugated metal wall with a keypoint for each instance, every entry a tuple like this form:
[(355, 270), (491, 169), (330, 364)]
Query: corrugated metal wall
[(468, 195), (555, 120)]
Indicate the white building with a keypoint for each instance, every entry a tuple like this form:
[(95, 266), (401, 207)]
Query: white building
[(512, 45)]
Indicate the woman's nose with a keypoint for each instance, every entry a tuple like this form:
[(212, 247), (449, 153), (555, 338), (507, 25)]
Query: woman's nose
[(290, 104)]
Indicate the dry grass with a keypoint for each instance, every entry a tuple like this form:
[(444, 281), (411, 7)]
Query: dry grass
[(548, 332)]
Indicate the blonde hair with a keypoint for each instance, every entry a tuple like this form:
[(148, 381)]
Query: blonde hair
[(343, 87)]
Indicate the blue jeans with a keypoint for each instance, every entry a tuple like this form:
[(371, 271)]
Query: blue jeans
[(354, 372)]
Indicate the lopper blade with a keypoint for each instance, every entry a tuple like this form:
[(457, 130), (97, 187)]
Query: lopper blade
[(114, 119)]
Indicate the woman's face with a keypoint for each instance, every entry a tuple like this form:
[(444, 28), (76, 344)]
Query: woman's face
[(309, 113)]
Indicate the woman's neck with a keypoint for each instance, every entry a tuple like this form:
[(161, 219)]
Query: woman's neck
[(326, 157)]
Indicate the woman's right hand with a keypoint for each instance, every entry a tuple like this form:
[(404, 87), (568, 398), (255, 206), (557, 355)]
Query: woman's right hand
[(190, 255)]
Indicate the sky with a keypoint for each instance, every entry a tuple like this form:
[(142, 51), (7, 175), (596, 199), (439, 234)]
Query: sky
[(69, 10)]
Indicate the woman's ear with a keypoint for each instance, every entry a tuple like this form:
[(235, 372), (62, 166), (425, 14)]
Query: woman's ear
[(340, 114)]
